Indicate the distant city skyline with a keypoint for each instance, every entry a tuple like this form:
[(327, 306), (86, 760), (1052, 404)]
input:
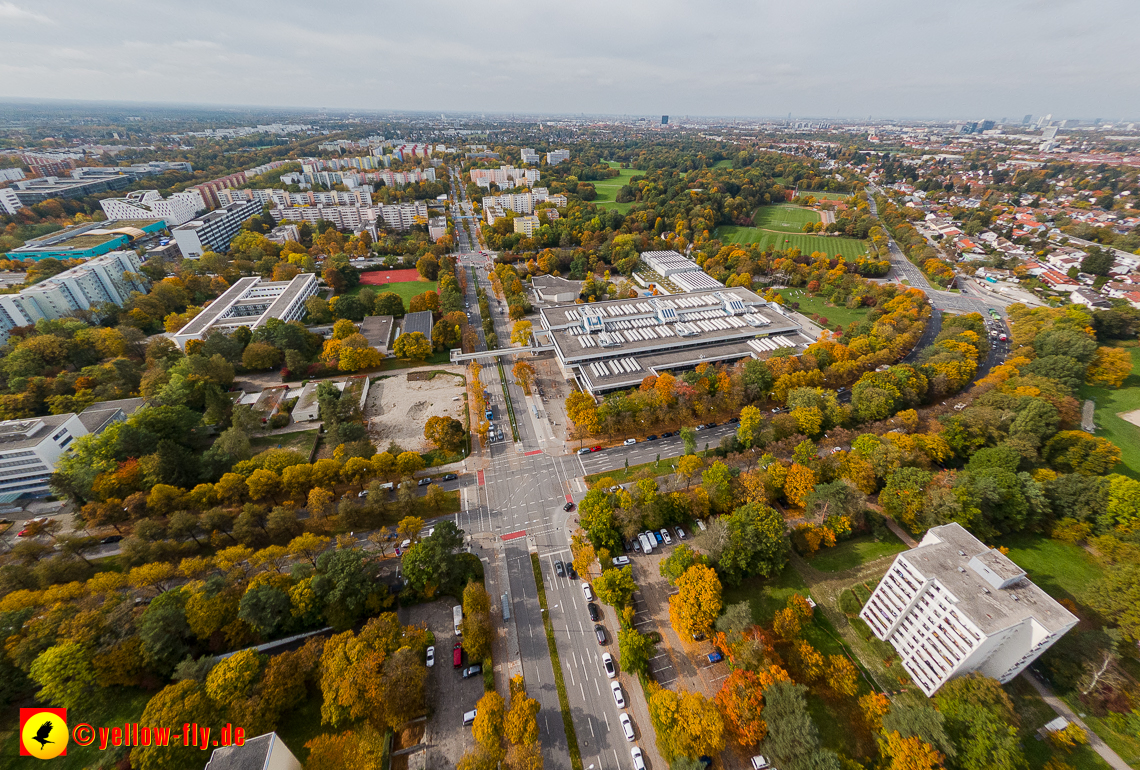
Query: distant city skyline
[(886, 59)]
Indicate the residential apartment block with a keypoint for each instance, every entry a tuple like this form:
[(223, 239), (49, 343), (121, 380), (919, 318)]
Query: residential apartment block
[(505, 176), (358, 196), (527, 225), (397, 216), (107, 279), (530, 156), (557, 156), (495, 206), (149, 204), (215, 230), (209, 190), (952, 605), (251, 302)]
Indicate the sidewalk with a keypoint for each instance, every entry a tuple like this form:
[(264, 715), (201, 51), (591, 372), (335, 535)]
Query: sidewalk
[(1060, 707)]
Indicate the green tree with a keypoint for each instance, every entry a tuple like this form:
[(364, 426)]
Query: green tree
[(615, 587), (260, 355), (793, 740), (344, 583), (635, 651), (65, 675), (756, 544), (267, 609), (680, 559), (982, 724), (183, 702), (412, 346)]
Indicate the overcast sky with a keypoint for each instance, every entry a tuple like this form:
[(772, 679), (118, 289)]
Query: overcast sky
[(826, 58)]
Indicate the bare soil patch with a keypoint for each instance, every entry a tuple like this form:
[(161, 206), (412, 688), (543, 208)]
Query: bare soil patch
[(399, 406)]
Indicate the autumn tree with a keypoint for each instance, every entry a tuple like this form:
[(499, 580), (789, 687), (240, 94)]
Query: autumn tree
[(522, 332), (696, 605), (445, 432), (1109, 367), (489, 722), (476, 626), (799, 484), (686, 723), (414, 346), (741, 700), (524, 374), (65, 675), (911, 753)]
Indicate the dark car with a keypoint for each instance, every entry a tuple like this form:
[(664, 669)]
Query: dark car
[(734, 421), (451, 477), (593, 610), (111, 539), (600, 632), (667, 434), (573, 572), (651, 437), (423, 482), (471, 671), (559, 569), (637, 546), (626, 546), (568, 507), (711, 425)]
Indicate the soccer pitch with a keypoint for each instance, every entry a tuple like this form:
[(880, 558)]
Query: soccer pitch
[(782, 241), (788, 219)]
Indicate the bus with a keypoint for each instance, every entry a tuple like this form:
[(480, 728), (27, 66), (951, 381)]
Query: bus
[(457, 616)]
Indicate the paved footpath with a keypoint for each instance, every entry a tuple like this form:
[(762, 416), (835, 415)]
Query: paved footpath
[(1062, 709)]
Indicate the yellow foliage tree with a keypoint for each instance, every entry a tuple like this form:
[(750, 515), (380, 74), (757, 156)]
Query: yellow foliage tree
[(799, 484), (1109, 367), (697, 603)]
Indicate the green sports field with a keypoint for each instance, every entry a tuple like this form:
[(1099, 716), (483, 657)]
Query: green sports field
[(848, 247), (608, 188), (826, 195), (406, 289), (782, 217)]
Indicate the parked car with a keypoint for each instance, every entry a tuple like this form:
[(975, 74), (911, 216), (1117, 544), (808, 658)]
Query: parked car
[(111, 539), (559, 569), (471, 671), (608, 664), (457, 655), (626, 546), (585, 451), (680, 534), (665, 536), (667, 434), (595, 613), (600, 632), (629, 441), (568, 507), (638, 760), (423, 482), (734, 421), (451, 477), (637, 545), (699, 636), (469, 717), (759, 762), (715, 657), (572, 573), (627, 726), (619, 696), (658, 540), (621, 561), (702, 426), (430, 656), (701, 525), (586, 590), (651, 437), (595, 449), (362, 493)]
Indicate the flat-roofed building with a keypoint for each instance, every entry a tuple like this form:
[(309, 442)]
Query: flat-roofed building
[(88, 240), (377, 329), (215, 230), (308, 409), (29, 450), (420, 321), (149, 204), (551, 288), (952, 605), (251, 302), (527, 225), (615, 344)]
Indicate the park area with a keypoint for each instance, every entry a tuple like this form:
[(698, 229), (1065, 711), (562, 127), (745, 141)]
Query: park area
[(608, 188), (810, 304), (1118, 416), (405, 283), (780, 226), (783, 217), (826, 196)]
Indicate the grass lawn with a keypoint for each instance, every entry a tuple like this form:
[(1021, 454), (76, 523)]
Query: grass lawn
[(608, 188), (830, 196), (406, 289), (1061, 569), (622, 475), (301, 725), (783, 217), (1034, 713), (1109, 403), (1114, 731), (300, 441), (767, 595), (849, 248), (820, 306), (723, 164), (855, 552), (435, 359), (116, 706)]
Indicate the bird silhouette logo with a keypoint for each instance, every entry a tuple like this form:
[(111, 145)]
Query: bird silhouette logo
[(43, 733)]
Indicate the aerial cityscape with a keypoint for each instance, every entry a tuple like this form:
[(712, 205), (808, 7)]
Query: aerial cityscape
[(773, 409)]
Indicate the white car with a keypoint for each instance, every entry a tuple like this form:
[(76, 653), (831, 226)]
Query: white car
[(626, 726), (759, 762), (608, 663), (621, 561), (619, 696), (630, 441), (586, 590), (638, 761), (680, 534), (665, 536), (430, 656)]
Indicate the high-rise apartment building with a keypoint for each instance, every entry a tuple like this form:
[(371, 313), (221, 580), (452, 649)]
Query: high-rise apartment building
[(149, 204), (215, 230)]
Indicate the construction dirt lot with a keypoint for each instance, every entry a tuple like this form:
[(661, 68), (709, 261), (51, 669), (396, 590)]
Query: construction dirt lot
[(398, 407)]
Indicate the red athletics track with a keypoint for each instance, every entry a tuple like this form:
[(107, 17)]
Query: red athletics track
[(381, 277)]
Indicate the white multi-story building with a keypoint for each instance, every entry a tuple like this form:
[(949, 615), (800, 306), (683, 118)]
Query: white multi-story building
[(952, 606), (519, 177), (251, 302), (437, 228), (9, 202), (557, 156), (214, 231), (29, 450), (530, 156), (110, 278), (398, 216), (149, 204)]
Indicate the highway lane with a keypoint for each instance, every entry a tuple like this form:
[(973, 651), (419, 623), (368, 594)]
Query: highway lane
[(646, 451)]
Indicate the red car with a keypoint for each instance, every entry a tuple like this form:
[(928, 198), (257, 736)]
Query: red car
[(457, 655), (595, 449)]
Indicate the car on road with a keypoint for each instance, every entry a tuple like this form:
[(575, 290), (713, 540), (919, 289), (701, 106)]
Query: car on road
[(626, 726), (665, 536), (600, 632), (651, 437), (759, 762), (111, 539), (621, 561), (586, 590), (469, 717), (430, 656), (608, 664), (568, 507), (595, 614), (635, 752), (450, 476), (712, 425), (629, 442), (715, 657), (471, 671), (680, 534), (573, 572), (457, 655), (619, 696), (584, 451), (559, 569), (423, 482), (733, 421)]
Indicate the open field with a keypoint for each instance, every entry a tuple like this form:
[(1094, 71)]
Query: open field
[(783, 217), (299, 441), (1110, 404), (848, 247), (723, 164), (1061, 569), (397, 408), (826, 195), (406, 289), (820, 306), (608, 188), (855, 552), (377, 277)]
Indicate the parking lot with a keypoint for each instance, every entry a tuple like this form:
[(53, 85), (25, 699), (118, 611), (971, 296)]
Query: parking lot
[(448, 694)]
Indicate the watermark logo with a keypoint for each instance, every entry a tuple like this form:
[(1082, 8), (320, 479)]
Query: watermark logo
[(43, 733)]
